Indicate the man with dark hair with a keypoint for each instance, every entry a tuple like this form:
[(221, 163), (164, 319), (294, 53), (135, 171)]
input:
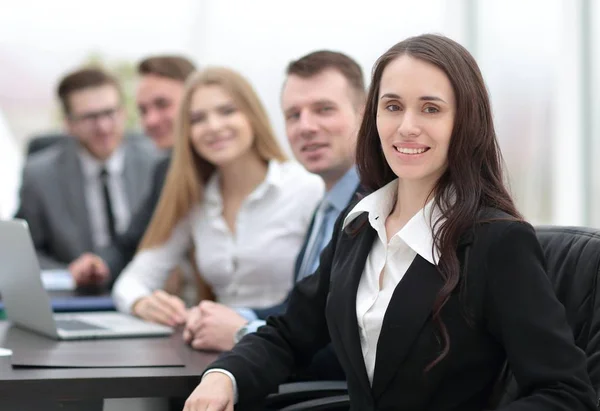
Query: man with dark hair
[(78, 195), (317, 62), (159, 93), (160, 89), (322, 101)]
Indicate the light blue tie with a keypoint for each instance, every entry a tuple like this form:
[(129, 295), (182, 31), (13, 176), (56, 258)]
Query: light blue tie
[(319, 237)]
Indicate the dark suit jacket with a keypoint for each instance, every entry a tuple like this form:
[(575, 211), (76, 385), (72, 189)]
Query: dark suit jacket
[(279, 309), (508, 311), (53, 197), (119, 254)]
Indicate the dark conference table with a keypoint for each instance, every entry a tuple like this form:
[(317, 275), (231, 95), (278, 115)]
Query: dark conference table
[(70, 389)]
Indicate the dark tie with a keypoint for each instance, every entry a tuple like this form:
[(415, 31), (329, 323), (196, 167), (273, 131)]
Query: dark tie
[(110, 217)]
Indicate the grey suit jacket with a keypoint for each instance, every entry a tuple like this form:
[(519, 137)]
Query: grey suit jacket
[(53, 202)]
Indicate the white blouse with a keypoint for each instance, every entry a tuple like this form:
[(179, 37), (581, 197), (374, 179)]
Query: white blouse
[(390, 260), (252, 268)]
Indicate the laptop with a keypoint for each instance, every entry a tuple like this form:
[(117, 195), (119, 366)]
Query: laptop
[(27, 304)]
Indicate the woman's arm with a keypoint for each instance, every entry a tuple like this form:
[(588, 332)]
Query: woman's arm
[(150, 268), (524, 314)]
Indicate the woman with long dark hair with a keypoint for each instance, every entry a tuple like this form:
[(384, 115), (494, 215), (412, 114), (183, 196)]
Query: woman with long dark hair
[(432, 282)]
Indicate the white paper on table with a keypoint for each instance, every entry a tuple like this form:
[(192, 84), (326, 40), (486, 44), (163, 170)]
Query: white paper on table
[(57, 280)]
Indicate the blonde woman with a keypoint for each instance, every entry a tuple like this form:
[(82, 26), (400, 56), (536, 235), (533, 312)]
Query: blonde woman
[(232, 195)]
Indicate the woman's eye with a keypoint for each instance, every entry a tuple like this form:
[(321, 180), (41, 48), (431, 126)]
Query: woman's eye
[(196, 119), (228, 110)]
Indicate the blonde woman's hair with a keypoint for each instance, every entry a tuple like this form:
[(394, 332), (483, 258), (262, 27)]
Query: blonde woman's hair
[(188, 172)]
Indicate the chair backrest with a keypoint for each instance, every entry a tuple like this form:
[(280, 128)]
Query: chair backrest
[(40, 142), (573, 266)]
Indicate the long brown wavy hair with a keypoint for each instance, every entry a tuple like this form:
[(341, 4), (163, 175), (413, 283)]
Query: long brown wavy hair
[(473, 179), (188, 172)]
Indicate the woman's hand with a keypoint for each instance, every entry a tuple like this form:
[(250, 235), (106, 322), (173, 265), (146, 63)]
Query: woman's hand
[(214, 393), (162, 308)]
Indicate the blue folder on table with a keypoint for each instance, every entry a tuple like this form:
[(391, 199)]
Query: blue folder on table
[(80, 303), (83, 303), (61, 280)]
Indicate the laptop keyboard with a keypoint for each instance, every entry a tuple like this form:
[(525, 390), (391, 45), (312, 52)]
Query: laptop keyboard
[(76, 325)]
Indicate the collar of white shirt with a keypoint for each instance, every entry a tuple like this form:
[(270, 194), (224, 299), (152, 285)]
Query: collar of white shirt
[(417, 233), (212, 194), (91, 166)]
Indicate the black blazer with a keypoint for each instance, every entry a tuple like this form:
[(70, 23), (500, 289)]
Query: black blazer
[(508, 311), (121, 252)]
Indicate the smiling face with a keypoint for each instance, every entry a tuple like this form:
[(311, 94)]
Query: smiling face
[(321, 120), (97, 119), (415, 117), (220, 131), (158, 99)]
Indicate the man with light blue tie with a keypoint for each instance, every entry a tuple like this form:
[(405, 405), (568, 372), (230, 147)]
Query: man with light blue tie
[(322, 100)]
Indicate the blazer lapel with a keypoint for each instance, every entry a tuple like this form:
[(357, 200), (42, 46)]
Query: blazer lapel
[(300, 256), (346, 274), (410, 307), (72, 183), (131, 178)]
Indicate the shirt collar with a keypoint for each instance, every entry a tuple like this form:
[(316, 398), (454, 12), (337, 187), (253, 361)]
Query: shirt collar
[(92, 166), (417, 233), (274, 178), (341, 193)]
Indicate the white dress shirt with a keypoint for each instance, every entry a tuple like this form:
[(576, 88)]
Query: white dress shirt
[(249, 269), (94, 197), (389, 260)]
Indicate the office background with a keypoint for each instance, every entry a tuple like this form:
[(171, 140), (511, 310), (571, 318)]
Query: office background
[(540, 58)]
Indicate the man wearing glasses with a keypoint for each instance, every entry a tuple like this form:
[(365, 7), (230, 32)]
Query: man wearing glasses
[(77, 196), (159, 92)]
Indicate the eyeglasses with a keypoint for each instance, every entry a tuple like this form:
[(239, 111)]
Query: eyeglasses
[(90, 119)]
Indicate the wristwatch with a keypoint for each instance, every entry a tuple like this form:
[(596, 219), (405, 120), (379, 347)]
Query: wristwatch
[(239, 334)]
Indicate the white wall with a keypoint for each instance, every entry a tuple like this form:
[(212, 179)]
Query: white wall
[(41, 40), (528, 54), (10, 171), (260, 37), (527, 49)]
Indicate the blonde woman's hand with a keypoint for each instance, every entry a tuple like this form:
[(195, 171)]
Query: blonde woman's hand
[(214, 393), (162, 308), (192, 323)]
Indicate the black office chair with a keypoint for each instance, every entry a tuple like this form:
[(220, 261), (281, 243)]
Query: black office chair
[(297, 393), (43, 141), (573, 264)]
